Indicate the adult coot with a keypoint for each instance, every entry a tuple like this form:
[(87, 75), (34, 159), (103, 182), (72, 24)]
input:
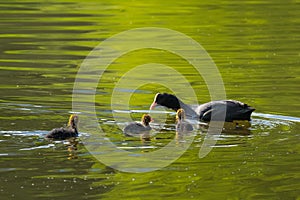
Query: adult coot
[(235, 110)]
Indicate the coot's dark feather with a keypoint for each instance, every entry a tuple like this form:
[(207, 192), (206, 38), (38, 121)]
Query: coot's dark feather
[(62, 133), (235, 110)]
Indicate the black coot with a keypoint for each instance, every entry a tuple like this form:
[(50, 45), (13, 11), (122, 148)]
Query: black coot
[(235, 110)]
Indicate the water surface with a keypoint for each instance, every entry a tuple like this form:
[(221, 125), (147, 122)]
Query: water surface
[(255, 45)]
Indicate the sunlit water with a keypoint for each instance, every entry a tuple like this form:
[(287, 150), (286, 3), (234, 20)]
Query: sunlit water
[(255, 46)]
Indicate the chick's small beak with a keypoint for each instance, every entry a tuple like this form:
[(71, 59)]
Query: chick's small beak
[(153, 105)]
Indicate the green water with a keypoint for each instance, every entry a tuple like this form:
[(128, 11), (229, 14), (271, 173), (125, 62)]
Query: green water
[(254, 44)]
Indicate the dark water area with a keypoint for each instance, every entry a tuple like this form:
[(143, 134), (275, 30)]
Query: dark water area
[(255, 46)]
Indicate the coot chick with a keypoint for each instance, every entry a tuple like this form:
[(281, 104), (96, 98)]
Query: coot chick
[(235, 110), (68, 132), (136, 128), (182, 125)]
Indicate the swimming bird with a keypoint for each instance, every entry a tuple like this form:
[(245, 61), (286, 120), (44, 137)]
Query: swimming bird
[(140, 129), (235, 110), (182, 125), (68, 132)]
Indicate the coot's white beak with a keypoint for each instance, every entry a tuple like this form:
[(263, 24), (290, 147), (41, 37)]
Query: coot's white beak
[(153, 105)]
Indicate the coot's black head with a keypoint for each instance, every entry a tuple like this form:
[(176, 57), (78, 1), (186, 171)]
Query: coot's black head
[(146, 119), (167, 100)]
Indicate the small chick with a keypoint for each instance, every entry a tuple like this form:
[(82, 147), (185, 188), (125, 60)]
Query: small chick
[(64, 133), (182, 126), (136, 128)]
